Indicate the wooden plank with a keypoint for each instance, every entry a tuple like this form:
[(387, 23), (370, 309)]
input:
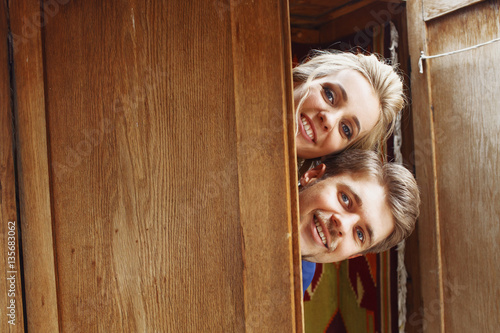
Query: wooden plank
[(429, 317), (437, 8), (367, 19), (467, 136), (291, 167), (153, 243), (347, 9), (171, 182), (412, 248), (11, 302), (313, 16), (262, 134), (314, 8), (305, 36), (33, 171)]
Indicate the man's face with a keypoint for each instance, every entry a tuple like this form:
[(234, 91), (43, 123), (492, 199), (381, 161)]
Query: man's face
[(341, 216)]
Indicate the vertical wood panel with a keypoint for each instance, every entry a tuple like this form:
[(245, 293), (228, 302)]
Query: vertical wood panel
[(414, 291), (11, 302), (291, 166), (424, 155), (464, 133), (467, 133), (262, 133), (170, 176), (33, 170), (142, 134)]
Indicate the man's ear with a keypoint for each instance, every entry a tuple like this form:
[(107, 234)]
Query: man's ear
[(313, 174)]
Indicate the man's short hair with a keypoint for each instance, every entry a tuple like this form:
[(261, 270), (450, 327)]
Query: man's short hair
[(403, 197)]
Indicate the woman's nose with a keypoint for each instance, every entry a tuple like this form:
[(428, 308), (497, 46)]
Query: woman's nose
[(327, 121)]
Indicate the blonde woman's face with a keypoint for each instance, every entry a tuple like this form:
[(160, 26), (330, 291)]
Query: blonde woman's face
[(339, 109)]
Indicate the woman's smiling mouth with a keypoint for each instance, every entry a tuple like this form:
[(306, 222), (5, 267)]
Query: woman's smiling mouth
[(307, 128)]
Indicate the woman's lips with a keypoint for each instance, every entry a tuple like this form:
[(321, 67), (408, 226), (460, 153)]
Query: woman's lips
[(307, 128)]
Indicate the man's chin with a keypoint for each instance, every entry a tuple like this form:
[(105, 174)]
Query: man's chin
[(320, 259), (313, 258)]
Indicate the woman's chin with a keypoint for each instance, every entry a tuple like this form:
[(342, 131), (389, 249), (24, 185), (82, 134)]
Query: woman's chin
[(305, 155)]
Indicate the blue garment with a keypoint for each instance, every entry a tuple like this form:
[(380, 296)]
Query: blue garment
[(308, 269)]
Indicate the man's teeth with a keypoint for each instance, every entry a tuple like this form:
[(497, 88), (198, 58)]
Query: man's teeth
[(307, 127), (320, 232)]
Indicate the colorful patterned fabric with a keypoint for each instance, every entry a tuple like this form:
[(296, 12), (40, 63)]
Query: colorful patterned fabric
[(343, 297)]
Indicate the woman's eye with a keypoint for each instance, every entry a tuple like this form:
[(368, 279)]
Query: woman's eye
[(329, 94), (346, 130), (361, 235)]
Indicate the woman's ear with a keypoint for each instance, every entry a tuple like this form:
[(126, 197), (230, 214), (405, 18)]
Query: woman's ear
[(313, 174)]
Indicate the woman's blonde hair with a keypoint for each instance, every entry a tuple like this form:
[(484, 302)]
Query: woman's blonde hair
[(385, 80)]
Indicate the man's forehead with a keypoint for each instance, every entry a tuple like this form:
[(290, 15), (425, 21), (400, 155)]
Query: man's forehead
[(354, 179)]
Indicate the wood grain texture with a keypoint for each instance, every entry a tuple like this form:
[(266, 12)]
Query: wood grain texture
[(437, 8), (412, 248), (262, 135), (33, 169), (316, 14), (306, 36), (291, 168), (290, 164), (170, 167), (367, 19), (142, 136), (467, 136), (310, 11), (424, 157), (11, 302)]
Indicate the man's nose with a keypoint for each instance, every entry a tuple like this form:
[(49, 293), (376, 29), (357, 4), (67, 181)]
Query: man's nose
[(344, 223), (327, 120)]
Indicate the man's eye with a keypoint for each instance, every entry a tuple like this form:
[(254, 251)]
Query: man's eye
[(329, 95), (361, 235), (347, 131), (345, 199)]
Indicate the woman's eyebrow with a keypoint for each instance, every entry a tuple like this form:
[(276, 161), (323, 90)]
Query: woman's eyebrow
[(346, 98), (358, 125), (343, 92)]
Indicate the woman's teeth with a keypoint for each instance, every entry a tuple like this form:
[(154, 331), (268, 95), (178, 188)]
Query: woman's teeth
[(307, 127), (320, 232)]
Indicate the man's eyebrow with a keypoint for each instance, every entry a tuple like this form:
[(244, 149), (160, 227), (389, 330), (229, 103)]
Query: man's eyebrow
[(356, 197), (370, 236)]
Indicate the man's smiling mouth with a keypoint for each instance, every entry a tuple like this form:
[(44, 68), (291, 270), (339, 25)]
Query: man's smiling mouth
[(320, 231), (326, 235)]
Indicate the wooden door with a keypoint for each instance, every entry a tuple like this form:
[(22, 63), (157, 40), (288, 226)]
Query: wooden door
[(157, 179), (457, 140), (11, 300)]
